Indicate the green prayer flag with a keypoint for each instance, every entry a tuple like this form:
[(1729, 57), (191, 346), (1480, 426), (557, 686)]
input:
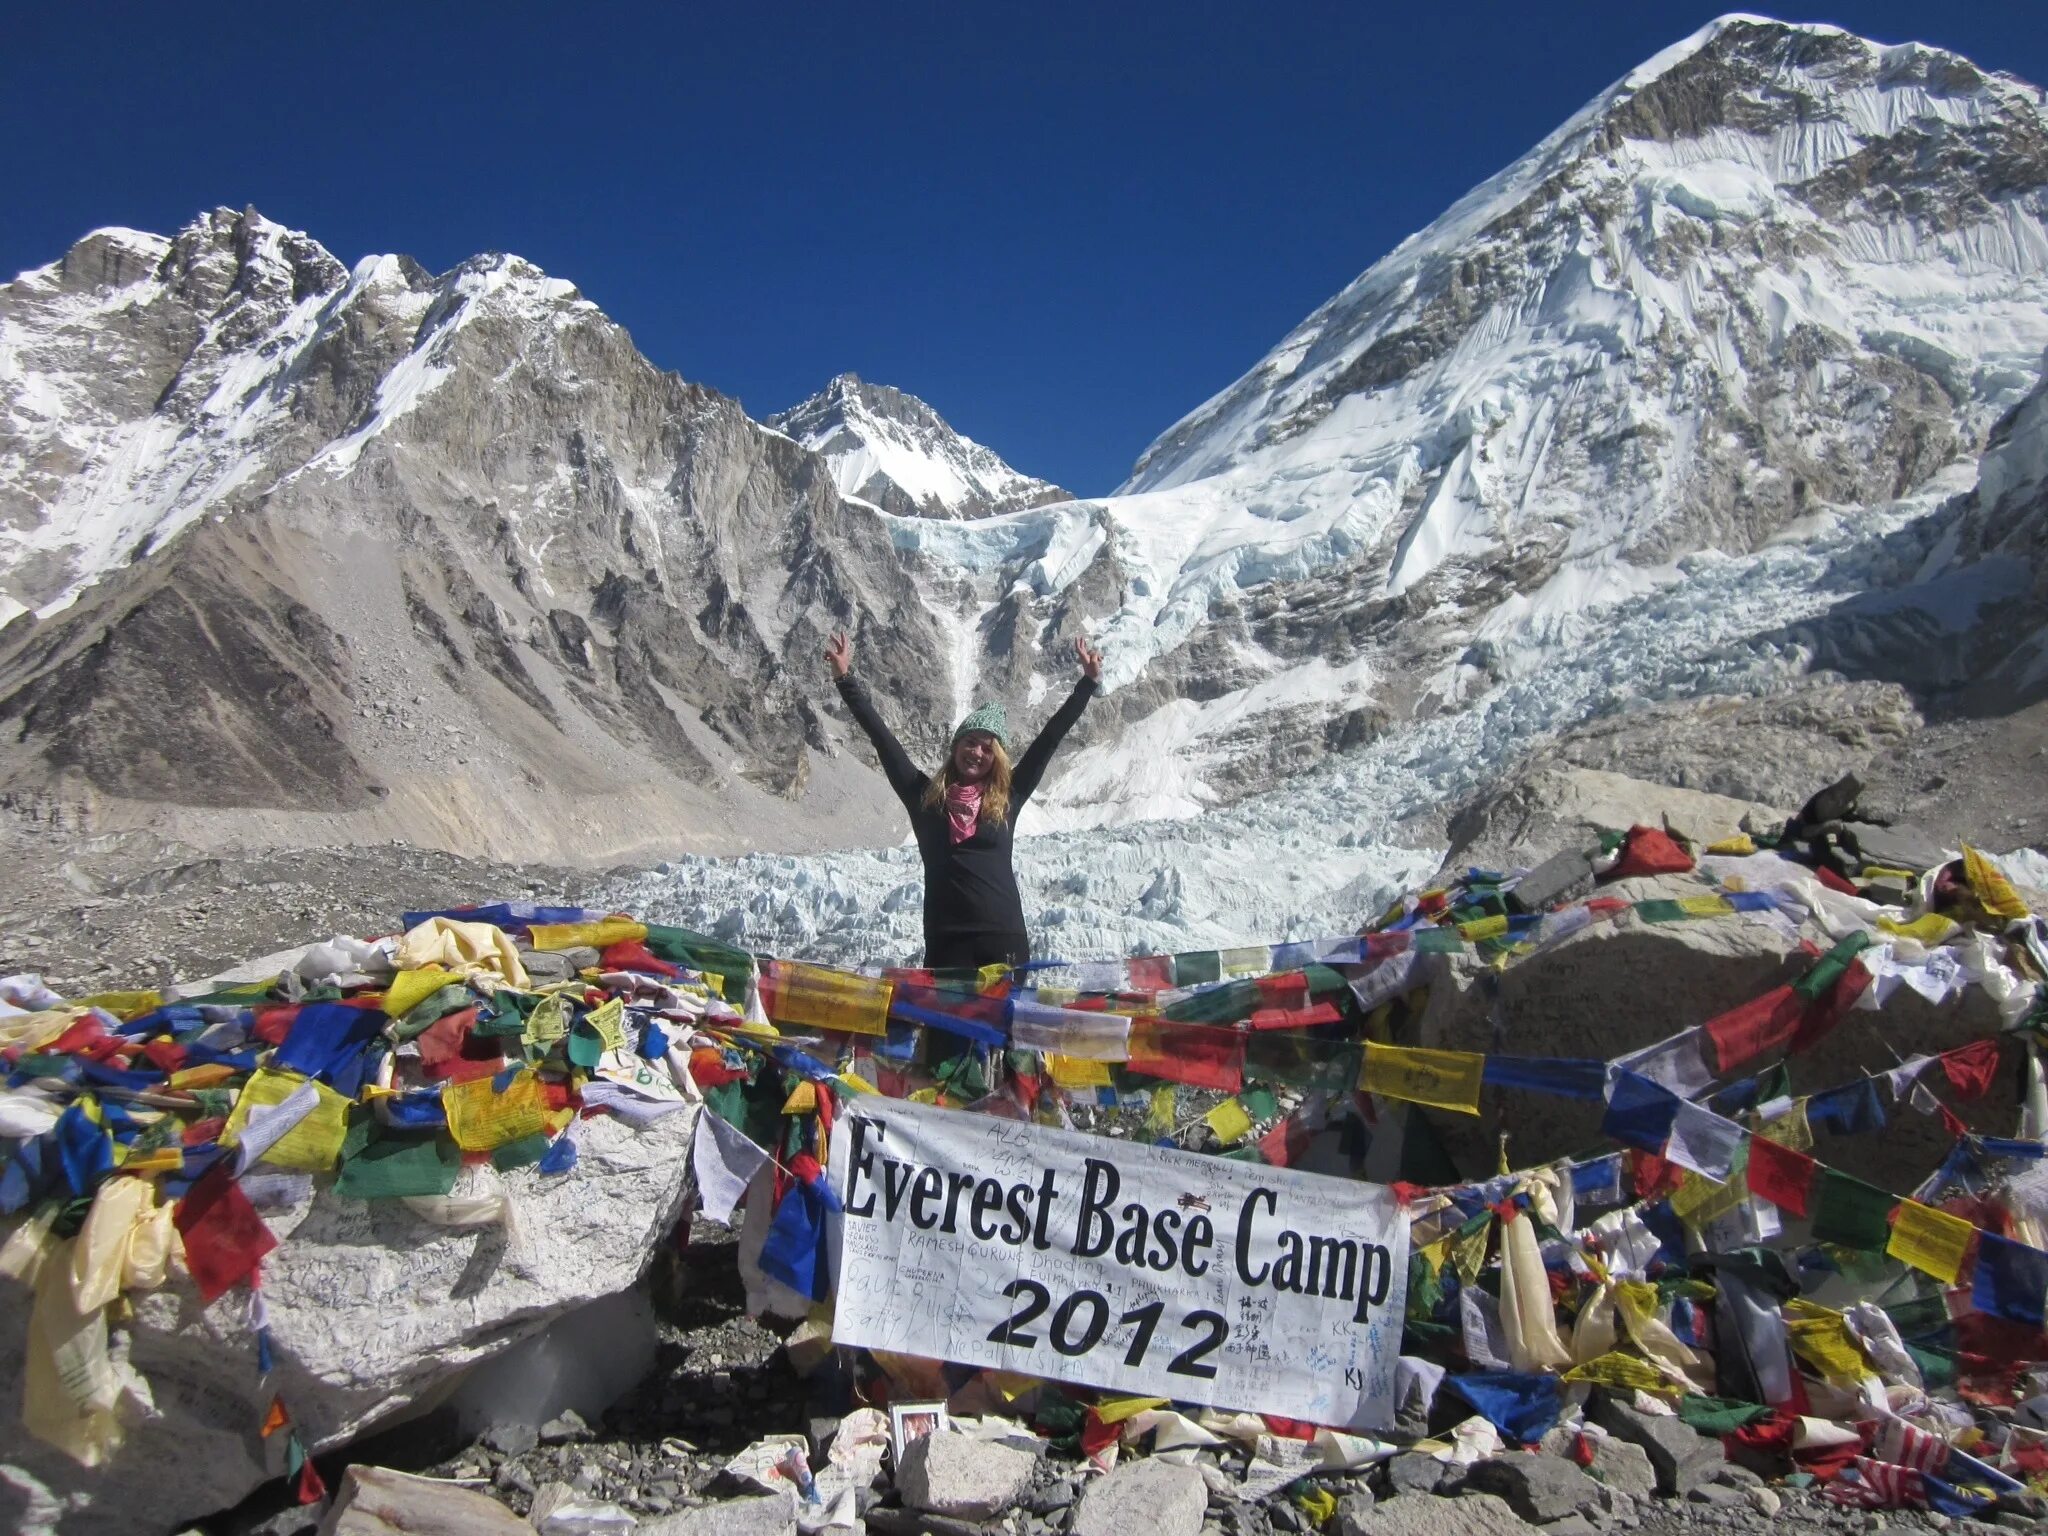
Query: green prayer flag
[(429, 1010), (1718, 1416), (679, 946), (1851, 1213), (214, 1103), (381, 1164), (586, 1048), (1296, 1060), (1197, 967), (1829, 968), (1660, 911), (1938, 1370), (521, 1153), (1439, 941), (1259, 1103)]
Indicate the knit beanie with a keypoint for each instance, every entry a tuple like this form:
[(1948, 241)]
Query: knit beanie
[(986, 717)]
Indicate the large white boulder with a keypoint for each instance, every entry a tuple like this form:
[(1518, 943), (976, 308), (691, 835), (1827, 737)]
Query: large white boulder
[(374, 1312)]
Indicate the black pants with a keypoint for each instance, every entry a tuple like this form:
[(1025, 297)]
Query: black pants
[(971, 951)]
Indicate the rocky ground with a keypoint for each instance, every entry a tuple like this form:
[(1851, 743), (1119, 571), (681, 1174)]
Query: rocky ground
[(135, 910), (722, 1382)]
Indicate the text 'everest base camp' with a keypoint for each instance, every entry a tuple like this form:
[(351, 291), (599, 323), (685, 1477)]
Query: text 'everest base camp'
[(1536, 986)]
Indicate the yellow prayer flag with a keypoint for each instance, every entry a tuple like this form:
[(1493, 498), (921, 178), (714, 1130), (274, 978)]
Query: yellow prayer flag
[(156, 1160), (1930, 1240), (1705, 906), (1993, 891), (1821, 1337), (821, 998), (802, 1100), (1626, 1372), (480, 1120), (599, 935), (1468, 1250), (1699, 1199), (122, 1005), (409, 989), (548, 1022), (311, 1146), (609, 1020), (1075, 1072), (1117, 1409), (205, 1076), (1229, 1121), (1738, 846), (1319, 1504), (1250, 960), (1930, 928), (1056, 997), (989, 975), (857, 1083), (1159, 1113), (1484, 928), (1445, 1079)]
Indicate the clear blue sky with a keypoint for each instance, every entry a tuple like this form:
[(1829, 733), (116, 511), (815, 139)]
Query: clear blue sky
[(1063, 225)]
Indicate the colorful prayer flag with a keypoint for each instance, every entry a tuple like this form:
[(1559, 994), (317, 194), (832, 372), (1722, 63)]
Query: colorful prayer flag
[(1444, 1079)]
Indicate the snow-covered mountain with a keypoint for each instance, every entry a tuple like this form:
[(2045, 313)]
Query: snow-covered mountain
[(1689, 401), (1684, 409), (307, 553), (893, 450)]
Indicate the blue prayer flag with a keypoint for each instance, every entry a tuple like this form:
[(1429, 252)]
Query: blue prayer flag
[(1560, 1076), (2011, 1279), (1851, 1110), (1639, 1112), (1523, 1406)]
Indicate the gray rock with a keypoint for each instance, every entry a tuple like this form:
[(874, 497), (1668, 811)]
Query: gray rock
[(1571, 1525), (958, 1475), (1471, 1514), (1539, 1488), (1717, 1496), (511, 1439), (1159, 1498), (1413, 1472), (1679, 1454), (376, 1501), (1623, 1466), (1354, 1514), (566, 1426), (1051, 1498), (770, 1515)]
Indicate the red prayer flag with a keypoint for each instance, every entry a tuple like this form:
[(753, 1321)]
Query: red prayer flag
[(1782, 1175), (271, 1025), (634, 955), (1763, 1024), (311, 1489), (1297, 1018), (1833, 881), (1195, 1054), (1971, 1068), (1653, 1175), (165, 1055), (87, 1033), (1649, 851), (1274, 1148), (1150, 973), (1827, 1010), (449, 1053), (224, 1237), (1289, 989)]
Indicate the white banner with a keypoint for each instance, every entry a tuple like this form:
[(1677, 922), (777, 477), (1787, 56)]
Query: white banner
[(1109, 1264)]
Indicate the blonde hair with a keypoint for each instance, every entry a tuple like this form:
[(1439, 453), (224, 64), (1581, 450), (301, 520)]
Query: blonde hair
[(995, 789)]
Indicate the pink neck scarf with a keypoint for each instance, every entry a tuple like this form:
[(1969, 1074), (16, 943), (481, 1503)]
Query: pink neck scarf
[(963, 810)]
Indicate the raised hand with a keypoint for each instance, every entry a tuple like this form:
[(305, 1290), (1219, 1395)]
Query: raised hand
[(839, 655), (1090, 659)]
